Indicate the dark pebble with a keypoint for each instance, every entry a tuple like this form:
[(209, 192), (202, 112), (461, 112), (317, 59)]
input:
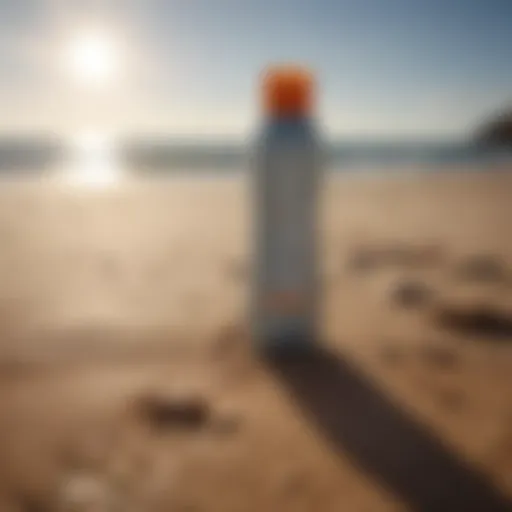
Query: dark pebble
[(483, 268), (368, 258), (174, 412), (479, 321), (410, 294)]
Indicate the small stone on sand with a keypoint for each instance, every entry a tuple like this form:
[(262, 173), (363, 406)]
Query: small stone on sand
[(411, 294), (173, 411), (482, 268), (395, 254), (478, 320)]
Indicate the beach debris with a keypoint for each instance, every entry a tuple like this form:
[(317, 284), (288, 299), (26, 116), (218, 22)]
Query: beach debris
[(172, 410), (394, 254), (479, 320), (411, 293), (83, 492), (482, 268), (438, 356)]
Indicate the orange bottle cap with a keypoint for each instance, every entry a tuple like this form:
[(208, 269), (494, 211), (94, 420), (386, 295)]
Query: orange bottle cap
[(288, 91)]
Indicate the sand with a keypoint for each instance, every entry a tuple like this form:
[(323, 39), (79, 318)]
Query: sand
[(113, 296)]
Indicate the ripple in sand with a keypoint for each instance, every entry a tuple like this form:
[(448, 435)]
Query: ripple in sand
[(482, 269), (395, 254), (477, 320)]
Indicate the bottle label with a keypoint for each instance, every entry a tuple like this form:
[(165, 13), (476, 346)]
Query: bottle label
[(289, 230)]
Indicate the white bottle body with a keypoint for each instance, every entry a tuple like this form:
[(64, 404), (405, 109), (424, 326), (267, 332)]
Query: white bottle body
[(285, 290)]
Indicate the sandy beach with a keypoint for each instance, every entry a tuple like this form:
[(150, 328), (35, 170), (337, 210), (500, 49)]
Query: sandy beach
[(127, 380)]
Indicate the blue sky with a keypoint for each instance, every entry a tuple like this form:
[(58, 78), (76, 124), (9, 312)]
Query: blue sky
[(387, 68)]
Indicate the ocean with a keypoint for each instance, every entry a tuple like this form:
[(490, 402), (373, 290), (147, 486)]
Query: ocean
[(345, 156), (28, 157)]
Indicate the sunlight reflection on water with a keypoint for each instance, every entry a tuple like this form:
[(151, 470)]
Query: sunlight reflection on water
[(93, 161)]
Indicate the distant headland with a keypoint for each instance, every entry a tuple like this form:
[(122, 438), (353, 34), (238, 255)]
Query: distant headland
[(497, 131)]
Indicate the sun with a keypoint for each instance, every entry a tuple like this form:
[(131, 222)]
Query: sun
[(92, 59)]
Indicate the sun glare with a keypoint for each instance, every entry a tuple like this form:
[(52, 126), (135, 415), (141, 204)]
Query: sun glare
[(93, 160), (92, 59)]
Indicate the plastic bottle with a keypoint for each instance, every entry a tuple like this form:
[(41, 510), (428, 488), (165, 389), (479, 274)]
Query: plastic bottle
[(286, 178)]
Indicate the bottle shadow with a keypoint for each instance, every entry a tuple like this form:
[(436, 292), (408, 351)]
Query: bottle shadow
[(362, 423)]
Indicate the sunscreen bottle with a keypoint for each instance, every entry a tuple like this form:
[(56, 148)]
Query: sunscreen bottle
[(286, 177)]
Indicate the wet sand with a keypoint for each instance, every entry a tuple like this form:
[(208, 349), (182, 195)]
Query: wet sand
[(126, 376)]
